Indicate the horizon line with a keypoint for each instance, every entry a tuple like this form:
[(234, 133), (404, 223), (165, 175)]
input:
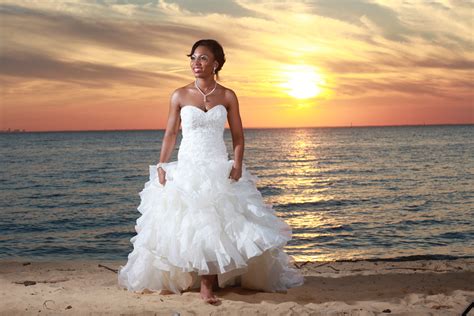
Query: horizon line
[(16, 130)]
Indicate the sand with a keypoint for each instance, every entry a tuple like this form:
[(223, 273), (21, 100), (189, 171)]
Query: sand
[(422, 287)]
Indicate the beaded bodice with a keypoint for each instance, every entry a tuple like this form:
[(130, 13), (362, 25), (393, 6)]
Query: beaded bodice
[(203, 133)]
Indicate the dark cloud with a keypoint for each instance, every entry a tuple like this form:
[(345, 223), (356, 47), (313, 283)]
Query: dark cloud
[(227, 7), (121, 2), (382, 62), (143, 38), (437, 5), (69, 32), (462, 4), (446, 63), (420, 88), (348, 66), (351, 12), (35, 65), (388, 21)]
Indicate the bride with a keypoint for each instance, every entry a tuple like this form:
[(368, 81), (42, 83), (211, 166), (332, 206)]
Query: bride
[(204, 223)]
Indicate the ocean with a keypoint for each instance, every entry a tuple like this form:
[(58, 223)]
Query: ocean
[(349, 193)]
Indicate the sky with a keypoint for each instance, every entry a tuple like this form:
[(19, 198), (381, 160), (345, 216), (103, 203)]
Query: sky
[(112, 65)]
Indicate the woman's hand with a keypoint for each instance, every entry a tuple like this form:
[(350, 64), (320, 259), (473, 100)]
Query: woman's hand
[(162, 176), (235, 173)]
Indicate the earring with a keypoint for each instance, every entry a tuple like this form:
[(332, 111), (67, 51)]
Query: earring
[(214, 70)]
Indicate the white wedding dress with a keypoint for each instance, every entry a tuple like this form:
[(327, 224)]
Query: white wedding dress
[(202, 222)]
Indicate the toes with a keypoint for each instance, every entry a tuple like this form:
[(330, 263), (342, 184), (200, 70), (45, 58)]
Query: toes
[(212, 300)]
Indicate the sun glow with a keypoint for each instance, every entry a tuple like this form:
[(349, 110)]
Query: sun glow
[(303, 81)]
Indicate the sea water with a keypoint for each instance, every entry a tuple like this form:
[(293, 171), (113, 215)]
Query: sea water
[(399, 193)]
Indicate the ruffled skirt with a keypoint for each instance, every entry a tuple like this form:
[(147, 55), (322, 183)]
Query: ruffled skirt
[(201, 222)]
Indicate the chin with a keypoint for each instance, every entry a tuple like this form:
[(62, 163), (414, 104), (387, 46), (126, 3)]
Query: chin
[(201, 75)]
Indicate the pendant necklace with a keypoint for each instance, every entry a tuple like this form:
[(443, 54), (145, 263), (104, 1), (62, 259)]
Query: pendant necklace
[(205, 94)]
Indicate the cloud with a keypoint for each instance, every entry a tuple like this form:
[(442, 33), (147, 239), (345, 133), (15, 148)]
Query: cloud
[(445, 63), (424, 88), (42, 44), (140, 38), (204, 7), (34, 65), (364, 45), (385, 18), (379, 63), (462, 4)]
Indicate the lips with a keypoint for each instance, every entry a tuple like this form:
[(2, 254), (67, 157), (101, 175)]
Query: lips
[(197, 69)]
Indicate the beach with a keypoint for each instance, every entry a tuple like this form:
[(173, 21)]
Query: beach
[(421, 287)]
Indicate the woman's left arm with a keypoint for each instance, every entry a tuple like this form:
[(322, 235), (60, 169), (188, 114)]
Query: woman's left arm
[(236, 129)]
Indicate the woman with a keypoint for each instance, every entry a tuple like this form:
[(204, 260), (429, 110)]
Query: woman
[(204, 223)]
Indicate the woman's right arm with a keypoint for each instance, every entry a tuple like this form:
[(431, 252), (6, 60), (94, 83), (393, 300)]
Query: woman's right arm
[(171, 132)]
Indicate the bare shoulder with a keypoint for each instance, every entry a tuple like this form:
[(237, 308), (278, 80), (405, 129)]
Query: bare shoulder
[(228, 92), (230, 98), (177, 96), (179, 92)]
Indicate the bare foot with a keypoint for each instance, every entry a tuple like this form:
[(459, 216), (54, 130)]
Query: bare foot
[(206, 289)]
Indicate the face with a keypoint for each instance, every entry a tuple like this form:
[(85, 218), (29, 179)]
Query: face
[(202, 62)]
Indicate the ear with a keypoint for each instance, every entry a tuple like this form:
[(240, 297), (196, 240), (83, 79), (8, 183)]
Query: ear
[(216, 65)]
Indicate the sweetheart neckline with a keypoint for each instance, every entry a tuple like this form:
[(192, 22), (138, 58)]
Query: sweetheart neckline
[(193, 106)]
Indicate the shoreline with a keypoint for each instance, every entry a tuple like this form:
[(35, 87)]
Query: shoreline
[(431, 257), (435, 287)]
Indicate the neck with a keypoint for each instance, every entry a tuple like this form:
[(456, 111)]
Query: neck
[(206, 84)]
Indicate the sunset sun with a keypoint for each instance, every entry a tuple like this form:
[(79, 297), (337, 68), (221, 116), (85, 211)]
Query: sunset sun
[(303, 82)]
